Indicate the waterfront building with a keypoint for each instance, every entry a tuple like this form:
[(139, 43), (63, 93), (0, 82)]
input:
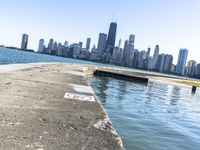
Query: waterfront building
[(197, 71), (148, 52), (167, 63), (191, 68), (160, 63), (94, 54), (101, 44), (60, 49), (182, 59), (84, 54), (41, 46), (136, 57), (116, 57), (128, 52), (50, 46), (65, 51), (66, 44), (151, 64), (74, 51), (24, 42), (142, 58), (173, 69), (156, 53), (80, 44), (88, 43)]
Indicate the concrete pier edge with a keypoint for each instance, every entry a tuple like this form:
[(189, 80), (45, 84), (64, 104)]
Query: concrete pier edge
[(16, 79)]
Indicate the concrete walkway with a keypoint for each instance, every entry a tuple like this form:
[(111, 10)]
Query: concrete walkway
[(35, 115)]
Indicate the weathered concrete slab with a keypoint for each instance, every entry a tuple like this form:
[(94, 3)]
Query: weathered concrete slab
[(35, 115)]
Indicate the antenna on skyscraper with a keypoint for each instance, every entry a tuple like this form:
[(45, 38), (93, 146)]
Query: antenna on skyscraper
[(116, 19), (113, 15)]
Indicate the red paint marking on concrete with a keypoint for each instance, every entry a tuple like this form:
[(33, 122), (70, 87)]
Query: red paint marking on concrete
[(79, 97)]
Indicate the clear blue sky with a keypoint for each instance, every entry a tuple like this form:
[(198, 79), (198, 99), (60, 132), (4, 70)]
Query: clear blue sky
[(173, 24)]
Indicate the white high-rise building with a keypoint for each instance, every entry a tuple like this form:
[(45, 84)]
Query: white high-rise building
[(182, 59)]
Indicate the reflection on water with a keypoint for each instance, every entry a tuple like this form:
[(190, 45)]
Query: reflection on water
[(157, 116)]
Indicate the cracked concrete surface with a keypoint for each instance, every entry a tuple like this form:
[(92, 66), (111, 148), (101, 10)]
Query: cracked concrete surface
[(35, 115)]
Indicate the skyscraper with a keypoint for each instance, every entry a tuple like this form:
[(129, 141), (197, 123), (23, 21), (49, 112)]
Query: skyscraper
[(167, 66), (156, 53), (41, 46), (80, 44), (102, 41), (197, 71), (182, 58), (110, 43), (128, 52), (148, 52), (24, 43), (160, 63), (50, 45), (191, 68), (88, 43)]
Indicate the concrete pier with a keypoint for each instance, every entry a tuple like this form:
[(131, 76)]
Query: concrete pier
[(122, 76), (52, 107)]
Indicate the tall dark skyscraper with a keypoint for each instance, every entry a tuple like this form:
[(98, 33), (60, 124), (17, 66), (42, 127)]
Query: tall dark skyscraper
[(24, 43), (88, 43), (111, 36)]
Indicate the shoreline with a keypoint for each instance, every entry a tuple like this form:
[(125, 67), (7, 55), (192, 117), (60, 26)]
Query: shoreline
[(153, 76)]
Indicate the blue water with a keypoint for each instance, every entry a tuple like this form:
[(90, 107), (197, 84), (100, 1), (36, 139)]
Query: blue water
[(10, 56), (154, 117)]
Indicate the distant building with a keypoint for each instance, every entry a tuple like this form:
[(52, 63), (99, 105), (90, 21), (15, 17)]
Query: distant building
[(24, 42), (41, 46), (151, 64), (85, 54), (80, 44), (74, 51), (136, 58), (111, 36), (66, 44), (160, 63), (110, 43), (88, 43), (191, 68), (142, 58), (50, 45), (94, 54), (101, 44), (167, 66), (128, 52), (156, 53), (197, 71), (182, 59), (116, 57), (148, 52)]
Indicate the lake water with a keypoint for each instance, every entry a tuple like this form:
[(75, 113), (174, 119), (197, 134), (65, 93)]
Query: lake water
[(10, 56), (154, 117)]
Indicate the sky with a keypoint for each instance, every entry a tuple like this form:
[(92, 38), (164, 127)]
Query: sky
[(172, 24)]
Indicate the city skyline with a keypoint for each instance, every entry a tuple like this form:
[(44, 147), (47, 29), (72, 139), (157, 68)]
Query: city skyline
[(171, 25), (109, 52)]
